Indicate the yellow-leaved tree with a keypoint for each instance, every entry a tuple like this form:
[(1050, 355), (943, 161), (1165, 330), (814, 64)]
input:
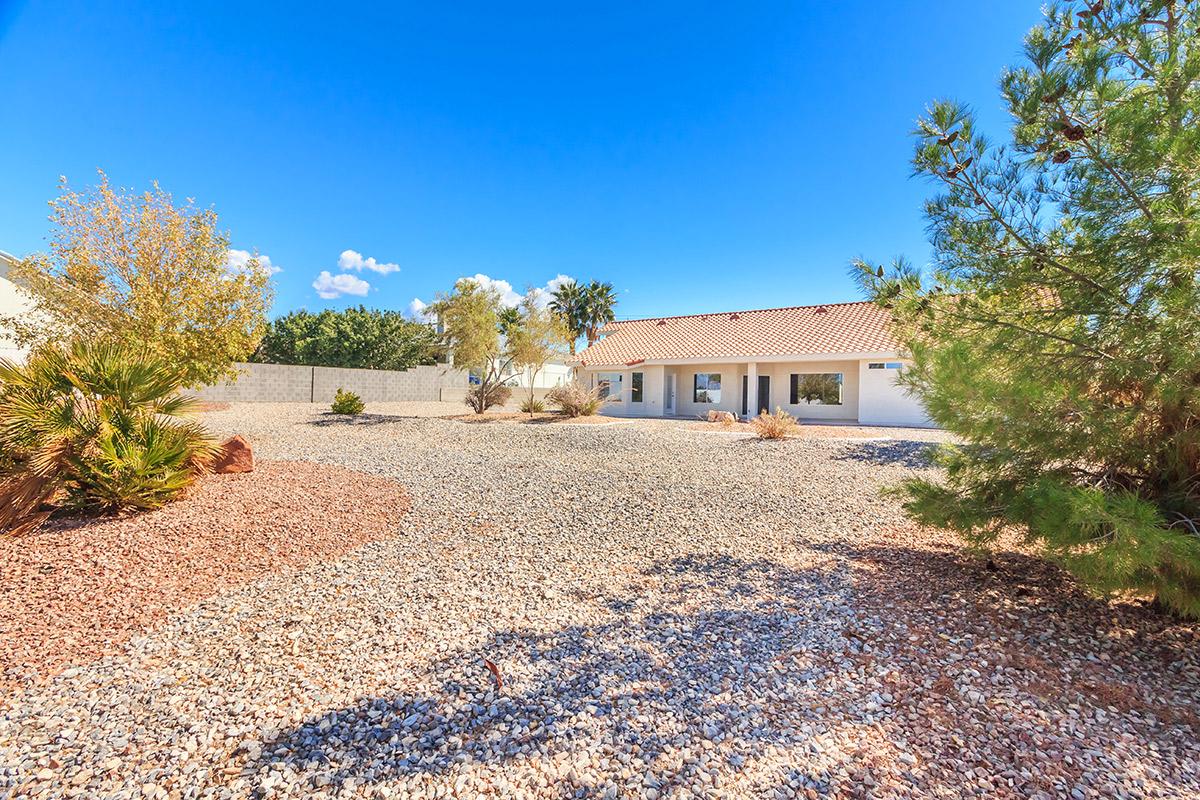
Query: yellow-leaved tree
[(138, 271)]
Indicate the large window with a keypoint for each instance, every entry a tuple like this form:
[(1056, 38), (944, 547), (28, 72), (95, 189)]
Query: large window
[(609, 384), (635, 387), (816, 389), (707, 387)]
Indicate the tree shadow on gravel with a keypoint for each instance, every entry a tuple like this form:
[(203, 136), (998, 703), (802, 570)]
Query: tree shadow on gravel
[(331, 420), (705, 666), (1015, 631), (697, 656), (901, 452)]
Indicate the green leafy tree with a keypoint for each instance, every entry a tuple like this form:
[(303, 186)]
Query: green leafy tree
[(471, 317), (540, 336), (1059, 330), (355, 337), (140, 272)]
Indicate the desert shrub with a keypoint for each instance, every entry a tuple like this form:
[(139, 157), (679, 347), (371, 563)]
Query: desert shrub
[(481, 397), (347, 402), (532, 405), (779, 425), (575, 399), (94, 426)]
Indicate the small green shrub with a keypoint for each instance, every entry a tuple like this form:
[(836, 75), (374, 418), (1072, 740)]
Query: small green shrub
[(94, 427), (779, 425), (532, 405), (480, 398), (576, 400), (347, 403)]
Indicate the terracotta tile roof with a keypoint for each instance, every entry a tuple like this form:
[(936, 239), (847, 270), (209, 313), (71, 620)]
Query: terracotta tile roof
[(798, 330)]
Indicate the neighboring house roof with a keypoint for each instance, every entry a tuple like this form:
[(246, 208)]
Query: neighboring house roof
[(835, 328)]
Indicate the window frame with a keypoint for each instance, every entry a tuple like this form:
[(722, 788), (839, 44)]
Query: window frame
[(604, 382), (708, 390), (794, 389), (637, 381)]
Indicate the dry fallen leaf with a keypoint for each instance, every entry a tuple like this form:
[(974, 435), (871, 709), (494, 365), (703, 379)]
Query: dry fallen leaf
[(492, 668)]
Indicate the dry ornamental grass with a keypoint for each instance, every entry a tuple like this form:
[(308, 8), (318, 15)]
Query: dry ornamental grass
[(779, 425)]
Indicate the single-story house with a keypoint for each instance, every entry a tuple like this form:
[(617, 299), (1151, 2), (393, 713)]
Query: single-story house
[(835, 362)]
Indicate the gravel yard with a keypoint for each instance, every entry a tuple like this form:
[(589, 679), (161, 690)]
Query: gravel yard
[(641, 609)]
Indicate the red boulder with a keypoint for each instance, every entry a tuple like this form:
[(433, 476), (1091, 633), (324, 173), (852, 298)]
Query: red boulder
[(235, 456)]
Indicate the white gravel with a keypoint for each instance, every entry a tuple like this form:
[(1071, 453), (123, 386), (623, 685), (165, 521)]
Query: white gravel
[(671, 613)]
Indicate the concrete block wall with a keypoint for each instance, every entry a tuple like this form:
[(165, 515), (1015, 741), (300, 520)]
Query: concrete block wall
[(284, 383)]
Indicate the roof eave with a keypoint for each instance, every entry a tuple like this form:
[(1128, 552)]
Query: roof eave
[(758, 359)]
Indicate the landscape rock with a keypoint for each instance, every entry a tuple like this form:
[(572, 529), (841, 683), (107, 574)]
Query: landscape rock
[(235, 456)]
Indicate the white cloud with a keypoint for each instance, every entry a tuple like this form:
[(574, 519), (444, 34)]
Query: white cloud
[(353, 260), (545, 294), (238, 260), (503, 288), (330, 286), (417, 312), (510, 297), (557, 281)]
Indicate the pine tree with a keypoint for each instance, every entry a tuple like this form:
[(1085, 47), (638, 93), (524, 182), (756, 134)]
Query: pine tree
[(1058, 332)]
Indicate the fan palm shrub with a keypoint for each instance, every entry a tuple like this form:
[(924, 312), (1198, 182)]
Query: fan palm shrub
[(94, 426)]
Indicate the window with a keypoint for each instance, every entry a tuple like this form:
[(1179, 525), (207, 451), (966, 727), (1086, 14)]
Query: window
[(609, 384), (885, 365), (707, 387), (635, 387), (816, 389)]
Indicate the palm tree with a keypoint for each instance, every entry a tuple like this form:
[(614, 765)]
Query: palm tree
[(568, 302), (599, 300)]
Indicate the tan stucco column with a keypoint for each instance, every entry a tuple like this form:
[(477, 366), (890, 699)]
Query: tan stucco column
[(751, 389)]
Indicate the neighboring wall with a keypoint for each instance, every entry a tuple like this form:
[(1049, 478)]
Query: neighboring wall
[(284, 383), (13, 303), (552, 374)]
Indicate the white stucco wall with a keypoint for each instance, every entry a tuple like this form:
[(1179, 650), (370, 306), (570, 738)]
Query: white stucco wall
[(549, 376), (868, 396), (883, 402), (653, 391), (781, 386)]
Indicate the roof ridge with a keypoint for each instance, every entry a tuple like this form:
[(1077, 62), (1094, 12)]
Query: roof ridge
[(744, 311)]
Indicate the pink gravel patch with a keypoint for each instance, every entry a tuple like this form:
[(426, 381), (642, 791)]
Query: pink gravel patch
[(78, 589)]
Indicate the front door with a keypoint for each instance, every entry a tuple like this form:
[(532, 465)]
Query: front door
[(764, 393), (670, 404)]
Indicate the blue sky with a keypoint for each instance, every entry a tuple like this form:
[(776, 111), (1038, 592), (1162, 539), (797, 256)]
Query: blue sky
[(701, 157)]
